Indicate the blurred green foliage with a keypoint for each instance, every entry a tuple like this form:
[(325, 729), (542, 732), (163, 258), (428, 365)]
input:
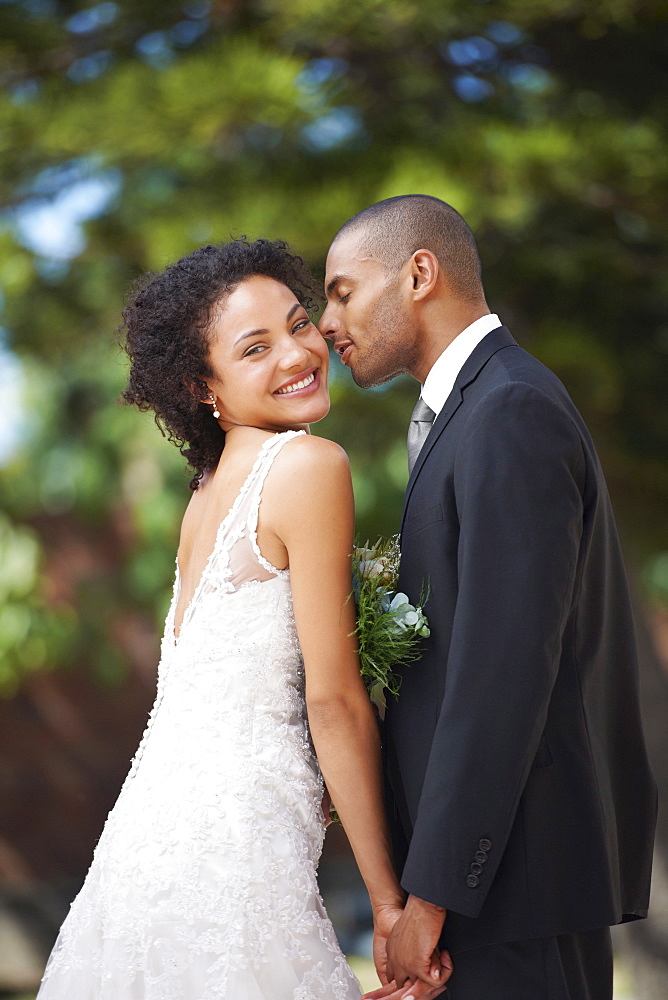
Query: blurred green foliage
[(132, 132)]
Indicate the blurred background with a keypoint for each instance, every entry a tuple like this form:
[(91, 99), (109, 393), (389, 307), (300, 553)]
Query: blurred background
[(132, 132)]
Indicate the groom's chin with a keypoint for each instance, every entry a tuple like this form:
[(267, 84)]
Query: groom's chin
[(369, 379)]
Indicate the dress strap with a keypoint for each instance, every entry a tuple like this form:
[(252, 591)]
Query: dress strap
[(266, 461)]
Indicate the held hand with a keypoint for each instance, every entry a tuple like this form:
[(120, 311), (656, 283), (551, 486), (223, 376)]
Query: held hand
[(412, 955), (417, 990)]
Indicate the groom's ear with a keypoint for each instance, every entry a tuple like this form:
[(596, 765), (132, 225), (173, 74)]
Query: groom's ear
[(424, 273)]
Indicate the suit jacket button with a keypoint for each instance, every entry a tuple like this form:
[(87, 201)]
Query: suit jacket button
[(485, 845), (481, 857), (472, 881), (476, 869)]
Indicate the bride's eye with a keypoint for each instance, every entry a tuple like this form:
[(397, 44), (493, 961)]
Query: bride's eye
[(300, 326), (253, 350)]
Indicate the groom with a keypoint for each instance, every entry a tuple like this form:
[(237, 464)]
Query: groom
[(520, 798)]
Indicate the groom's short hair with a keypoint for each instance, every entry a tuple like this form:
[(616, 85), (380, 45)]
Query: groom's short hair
[(392, 230)]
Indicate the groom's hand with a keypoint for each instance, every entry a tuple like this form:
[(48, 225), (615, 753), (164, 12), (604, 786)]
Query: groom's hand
[(326, 807), (412, 953)]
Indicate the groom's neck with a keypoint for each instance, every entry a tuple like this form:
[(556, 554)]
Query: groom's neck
[(441, 321)]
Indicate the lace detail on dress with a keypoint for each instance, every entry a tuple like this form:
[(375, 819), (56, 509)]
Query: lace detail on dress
[(250, 506), (203, 884), (253, 515)]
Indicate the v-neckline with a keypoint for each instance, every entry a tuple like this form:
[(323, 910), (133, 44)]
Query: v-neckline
[(220, 531)]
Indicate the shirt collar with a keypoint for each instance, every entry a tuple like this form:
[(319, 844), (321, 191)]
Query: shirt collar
[(442, 376)]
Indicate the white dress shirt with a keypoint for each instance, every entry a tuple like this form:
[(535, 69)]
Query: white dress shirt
[(443, 373)]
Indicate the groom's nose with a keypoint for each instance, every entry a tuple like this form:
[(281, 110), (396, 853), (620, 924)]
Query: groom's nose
[(328, 326)]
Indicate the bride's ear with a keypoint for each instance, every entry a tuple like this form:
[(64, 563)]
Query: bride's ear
[(199, 389)]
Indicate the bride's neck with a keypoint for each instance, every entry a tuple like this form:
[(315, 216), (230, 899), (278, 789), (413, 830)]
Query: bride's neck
[(237, 431)]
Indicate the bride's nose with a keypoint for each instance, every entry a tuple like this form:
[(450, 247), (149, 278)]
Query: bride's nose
[(295, 355)]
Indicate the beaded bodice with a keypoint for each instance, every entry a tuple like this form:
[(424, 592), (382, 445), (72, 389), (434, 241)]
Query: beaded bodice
[(242, 606)]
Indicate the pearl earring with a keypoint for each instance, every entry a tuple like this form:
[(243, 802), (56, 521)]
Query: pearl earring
[(216, 413)]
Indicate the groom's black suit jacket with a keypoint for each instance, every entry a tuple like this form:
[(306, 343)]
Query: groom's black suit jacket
[(520, 794)]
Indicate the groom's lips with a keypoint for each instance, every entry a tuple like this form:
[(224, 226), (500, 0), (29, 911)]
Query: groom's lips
[(343, 350)]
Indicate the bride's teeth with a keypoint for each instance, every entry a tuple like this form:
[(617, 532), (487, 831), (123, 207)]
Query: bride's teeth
[(298, 385)]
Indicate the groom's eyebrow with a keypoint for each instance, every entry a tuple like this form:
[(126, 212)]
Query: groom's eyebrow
[(260, 333), (335, 280)]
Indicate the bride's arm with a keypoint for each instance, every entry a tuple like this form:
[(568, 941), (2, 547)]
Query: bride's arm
[(312, 511)]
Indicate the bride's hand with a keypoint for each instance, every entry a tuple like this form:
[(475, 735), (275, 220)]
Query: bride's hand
[(389, 992), (384, 919)]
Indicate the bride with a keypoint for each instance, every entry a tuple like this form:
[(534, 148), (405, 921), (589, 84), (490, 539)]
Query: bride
[(203, 883)]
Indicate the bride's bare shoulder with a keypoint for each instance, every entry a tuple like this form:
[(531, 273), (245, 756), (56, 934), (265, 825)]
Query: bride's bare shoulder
[(308, 454), (309, 470), (310, 481)]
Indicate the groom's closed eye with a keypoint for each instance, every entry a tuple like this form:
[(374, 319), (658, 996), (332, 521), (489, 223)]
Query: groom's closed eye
[(338, 279)]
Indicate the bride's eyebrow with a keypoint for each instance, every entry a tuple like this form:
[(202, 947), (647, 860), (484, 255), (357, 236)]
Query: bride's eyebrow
[(250, 333), (292, 310), (261, 332)]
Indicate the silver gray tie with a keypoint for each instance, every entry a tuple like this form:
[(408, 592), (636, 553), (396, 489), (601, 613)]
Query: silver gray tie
[(422, 418)]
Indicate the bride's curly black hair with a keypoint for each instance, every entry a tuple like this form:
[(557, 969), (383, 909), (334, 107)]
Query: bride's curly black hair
[(166, 322)]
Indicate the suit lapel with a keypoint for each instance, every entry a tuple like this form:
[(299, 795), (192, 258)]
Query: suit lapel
[(488, 346)]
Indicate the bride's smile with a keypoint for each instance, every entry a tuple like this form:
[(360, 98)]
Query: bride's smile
[(308, 383)]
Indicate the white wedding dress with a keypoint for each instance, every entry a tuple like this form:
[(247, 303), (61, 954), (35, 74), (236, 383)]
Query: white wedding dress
[(203, 883)]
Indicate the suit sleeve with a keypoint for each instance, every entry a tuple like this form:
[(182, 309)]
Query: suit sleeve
[(518, 480)]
